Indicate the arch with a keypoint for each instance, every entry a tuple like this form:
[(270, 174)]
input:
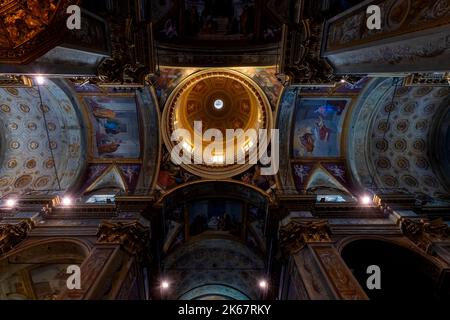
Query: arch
[(404, 270), (219, 262), (30, 163), (36, 269), (389, 145), (213, 292), (178, 191)]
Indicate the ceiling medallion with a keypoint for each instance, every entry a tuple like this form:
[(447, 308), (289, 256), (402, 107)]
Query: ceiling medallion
[(220, 99)]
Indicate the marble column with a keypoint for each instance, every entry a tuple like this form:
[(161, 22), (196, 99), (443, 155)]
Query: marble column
[(314, 269)]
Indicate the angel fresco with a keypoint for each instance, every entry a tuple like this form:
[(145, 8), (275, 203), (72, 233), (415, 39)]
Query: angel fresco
[(317, 127), (114, 120)]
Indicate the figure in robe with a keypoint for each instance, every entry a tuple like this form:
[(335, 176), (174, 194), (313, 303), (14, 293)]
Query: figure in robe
[(324, 132), (307, 141)]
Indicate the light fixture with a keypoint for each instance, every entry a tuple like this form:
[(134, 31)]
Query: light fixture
[(218, 104), (40, 80), (365, 199), (263, 284), (343, 80), (11, 203), (165, 285), (66, 201)]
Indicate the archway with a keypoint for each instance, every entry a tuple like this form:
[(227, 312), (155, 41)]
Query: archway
[(403, 272), (38, 271)]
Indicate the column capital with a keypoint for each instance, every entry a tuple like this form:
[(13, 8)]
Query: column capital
[(132, 236), (299, 232), (425, 232), (12, 234)]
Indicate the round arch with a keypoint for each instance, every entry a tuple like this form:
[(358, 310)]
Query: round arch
[(404, 271)]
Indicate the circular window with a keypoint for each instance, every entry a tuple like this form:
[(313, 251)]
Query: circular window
[(218, 104)]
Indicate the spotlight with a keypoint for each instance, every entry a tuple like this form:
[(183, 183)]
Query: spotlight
[(343, 80), (40, 80), (365, 199), (165, 285), (263, 284), (11, 203), (66, 201)]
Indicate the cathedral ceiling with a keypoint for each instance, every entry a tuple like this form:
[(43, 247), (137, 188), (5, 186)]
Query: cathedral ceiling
[(29, 158), (264, 83), (392, 140)]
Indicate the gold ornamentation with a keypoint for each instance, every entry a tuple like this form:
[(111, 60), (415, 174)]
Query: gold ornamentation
[(423, 233), (297, 233), (12, 234), (132, 236)]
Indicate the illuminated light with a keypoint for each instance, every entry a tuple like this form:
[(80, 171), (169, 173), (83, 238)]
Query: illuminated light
[(343, 80), (366, 199), (165, 285), (218, 159), (11, 203), (66, 201), (40, 80), (263, 284), (187, 147), (218, 104)]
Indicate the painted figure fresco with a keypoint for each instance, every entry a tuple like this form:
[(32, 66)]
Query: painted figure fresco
[(219, 17), (115, 123), (171, 175), (318, 127)]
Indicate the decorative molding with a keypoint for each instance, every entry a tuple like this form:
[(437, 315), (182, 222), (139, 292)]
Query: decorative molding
[(424, 233), (15, 81), (297, 233), (12, 234), (428, 79), (300, 60), (132, 236), (31, 28), (342, 280)]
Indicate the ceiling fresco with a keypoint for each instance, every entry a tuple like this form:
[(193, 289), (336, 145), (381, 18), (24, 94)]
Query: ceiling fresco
[(318, 126), (391, 138), (122, 149), (234, 87), (214, 262), (29, 156), (233, 21), (314, 142), (265, 77)]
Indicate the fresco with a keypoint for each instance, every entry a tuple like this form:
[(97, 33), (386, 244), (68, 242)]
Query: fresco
[(168, 79), (215, 215), (318, 126), (305, 174), (225, 18), (266, 78), (49, 280), (92, 173), (130, 174), (171, 175), (253, 177), (114, 121)]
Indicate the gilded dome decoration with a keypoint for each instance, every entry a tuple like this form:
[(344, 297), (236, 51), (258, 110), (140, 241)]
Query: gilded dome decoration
[(220, 99)]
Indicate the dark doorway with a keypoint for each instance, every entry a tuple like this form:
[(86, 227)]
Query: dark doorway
[(404, 273)]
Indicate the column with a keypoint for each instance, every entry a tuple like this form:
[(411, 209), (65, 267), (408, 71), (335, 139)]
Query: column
[(314, 269)]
